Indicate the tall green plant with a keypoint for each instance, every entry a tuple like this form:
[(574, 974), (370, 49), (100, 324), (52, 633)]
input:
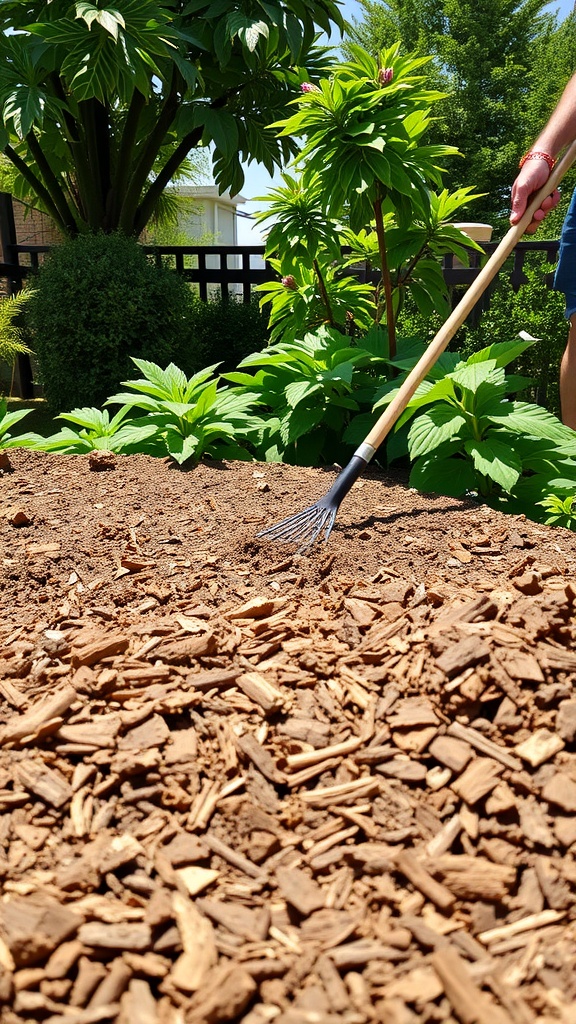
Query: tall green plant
[(501, 65), (365, 163)]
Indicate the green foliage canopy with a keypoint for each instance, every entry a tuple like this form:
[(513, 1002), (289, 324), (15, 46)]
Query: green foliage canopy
[(100, 105), (492, 57)]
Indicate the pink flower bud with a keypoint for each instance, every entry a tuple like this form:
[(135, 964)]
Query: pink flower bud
[(290, 282), (385, 75), (309, 87)]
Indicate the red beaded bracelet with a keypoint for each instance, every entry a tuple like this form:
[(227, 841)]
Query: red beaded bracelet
[(537, 155)]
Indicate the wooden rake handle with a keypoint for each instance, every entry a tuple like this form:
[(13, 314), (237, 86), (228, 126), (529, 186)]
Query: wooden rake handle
[(394, 410)]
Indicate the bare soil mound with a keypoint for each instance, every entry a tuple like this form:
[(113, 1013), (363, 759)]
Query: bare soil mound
[(243, 784)]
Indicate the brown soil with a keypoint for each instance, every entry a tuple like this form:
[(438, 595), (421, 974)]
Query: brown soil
[(243, 784)]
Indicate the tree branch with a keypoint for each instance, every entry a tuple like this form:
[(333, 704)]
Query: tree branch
[(36, 185), (145, 162), (381, 235), (124, 157), (147, 206), (96, 134), (50, 187)]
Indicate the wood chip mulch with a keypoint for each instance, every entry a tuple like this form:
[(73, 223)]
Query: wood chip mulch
[(350, 806)]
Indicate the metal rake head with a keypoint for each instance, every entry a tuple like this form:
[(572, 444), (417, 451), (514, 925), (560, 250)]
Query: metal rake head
[(304, 528)]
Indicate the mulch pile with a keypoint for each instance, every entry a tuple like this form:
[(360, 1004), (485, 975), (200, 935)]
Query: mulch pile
[(242, 784)]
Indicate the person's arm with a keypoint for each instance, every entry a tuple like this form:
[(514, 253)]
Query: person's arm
[(559, 131)]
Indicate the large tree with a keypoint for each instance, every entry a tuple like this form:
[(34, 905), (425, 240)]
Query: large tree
[(484, 52), (100, 105)]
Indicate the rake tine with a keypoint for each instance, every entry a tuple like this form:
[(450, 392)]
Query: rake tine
[(285, 526), (309, 527), (304, 528), (315, 529)]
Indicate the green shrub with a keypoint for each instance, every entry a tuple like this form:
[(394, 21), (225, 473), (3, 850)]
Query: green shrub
[(534, 308), (221, 332), (98, 302)]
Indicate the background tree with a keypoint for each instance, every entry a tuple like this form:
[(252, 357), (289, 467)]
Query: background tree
[(491, 57), (100, 105)]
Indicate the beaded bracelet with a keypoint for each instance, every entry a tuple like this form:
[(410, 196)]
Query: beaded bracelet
[(537, 155)]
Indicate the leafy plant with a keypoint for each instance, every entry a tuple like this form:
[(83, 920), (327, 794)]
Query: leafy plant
[(96, 430), (9, 420), (191, 417), (367, 183), (561, 511), (467, 435), (308, 390), (97, 302), (12, 330)]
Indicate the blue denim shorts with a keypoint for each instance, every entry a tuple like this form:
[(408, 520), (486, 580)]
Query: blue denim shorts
[(565, 276)]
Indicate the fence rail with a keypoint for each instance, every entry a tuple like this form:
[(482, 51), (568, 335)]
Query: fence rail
[(236, 270)]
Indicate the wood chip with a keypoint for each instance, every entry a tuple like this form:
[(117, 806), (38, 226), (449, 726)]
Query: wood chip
[(540, 747)]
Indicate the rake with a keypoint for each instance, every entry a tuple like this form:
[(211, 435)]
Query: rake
[(315, 522)]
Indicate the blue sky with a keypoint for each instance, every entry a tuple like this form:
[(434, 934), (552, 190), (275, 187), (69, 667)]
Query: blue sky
[(258, 181)]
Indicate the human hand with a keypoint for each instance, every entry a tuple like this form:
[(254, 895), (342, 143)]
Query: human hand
[(533, 176)]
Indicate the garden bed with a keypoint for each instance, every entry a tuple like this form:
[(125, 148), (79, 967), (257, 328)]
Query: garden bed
[(242, 784)]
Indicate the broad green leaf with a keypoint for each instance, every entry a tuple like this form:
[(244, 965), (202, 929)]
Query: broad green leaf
[(433, 428), (27, 440), (496, 460), (182, 448), (502, 353), (451, 476), (297, 392), (472, 375), (301, 422), (527, 419), (91, 419), (426, 393), (9, 419)]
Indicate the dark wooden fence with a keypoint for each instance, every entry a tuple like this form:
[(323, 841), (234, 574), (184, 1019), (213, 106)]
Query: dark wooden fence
[(234, 271)]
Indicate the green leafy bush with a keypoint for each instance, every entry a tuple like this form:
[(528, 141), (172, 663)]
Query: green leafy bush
[(97, 302), (308, 391), (467, 435), (190, 417)]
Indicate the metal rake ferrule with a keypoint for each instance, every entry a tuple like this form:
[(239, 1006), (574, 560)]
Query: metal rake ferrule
[(305, 528)]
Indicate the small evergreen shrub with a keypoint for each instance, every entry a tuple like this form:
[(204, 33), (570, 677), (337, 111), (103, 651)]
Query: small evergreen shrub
[(99, 302), (222, 332)]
